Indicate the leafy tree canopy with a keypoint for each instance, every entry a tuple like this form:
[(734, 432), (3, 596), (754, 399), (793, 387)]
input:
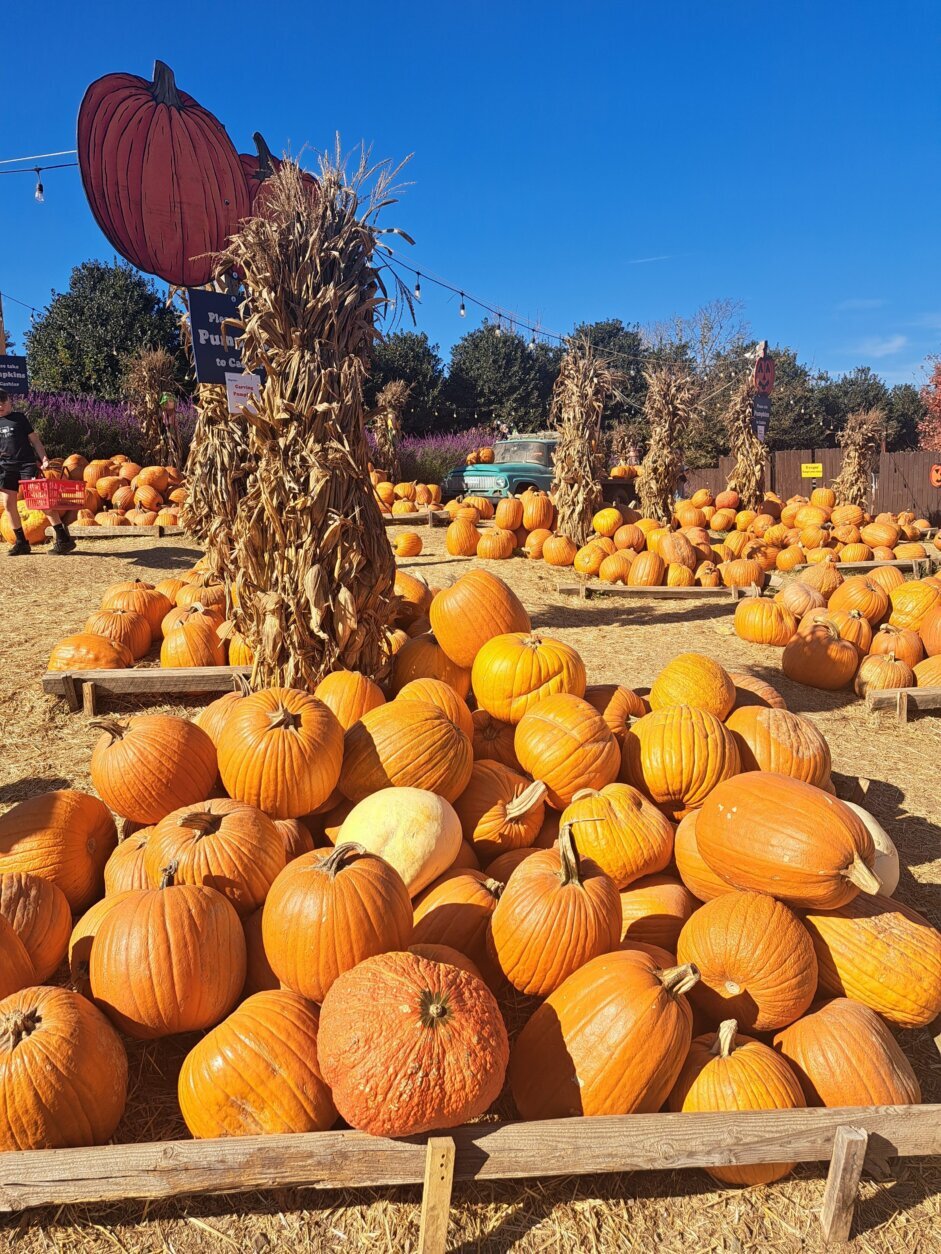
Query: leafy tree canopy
[(411, 357), (83, 338), (496, 377)]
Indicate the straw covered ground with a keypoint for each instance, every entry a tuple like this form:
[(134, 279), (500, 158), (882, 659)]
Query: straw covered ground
[(621, 640)]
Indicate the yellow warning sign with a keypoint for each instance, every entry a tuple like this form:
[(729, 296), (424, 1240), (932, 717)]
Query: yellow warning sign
[(811, 470)]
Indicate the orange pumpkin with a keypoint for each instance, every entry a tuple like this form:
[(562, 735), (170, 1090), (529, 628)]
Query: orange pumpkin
[(64, 837), (566, 743), (472, 611), (557, 912), (500, 809), (693, 680), (621, 830), (677, 756), (760, 621), (405, 744), (653, 911), (513, 672), (698, 877), (777, 740), (617, 705), (557, 1069), (494, 739)]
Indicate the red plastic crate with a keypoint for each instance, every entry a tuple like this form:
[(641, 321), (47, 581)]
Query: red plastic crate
[(52, 493)]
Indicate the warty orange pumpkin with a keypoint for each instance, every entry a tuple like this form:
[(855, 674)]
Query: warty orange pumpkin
[(512, 672), (327, 911), (281, 751), (844, 1055), (727, 1072), (677, 756), (755, 960), (63, 836), (456, 1037), (620, 829), (769, 833), (229, 846), (556, 913), (63, 1072), (912, 602), (405, 744), (777, 740), (557, 1068), (691, 679), (881, 953), (167, 960), (566, 743), (151, 764), (256, 1073)]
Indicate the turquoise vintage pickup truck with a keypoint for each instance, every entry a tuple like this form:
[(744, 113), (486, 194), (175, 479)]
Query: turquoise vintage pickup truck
[(519, 463)]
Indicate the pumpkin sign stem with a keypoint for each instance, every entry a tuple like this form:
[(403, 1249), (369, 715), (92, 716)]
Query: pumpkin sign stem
[(724, 1043), (678, 980), (528, 799), (859, 874), (164, 87)]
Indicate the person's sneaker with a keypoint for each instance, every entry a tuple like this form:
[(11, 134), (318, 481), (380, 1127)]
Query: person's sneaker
[(63, 545), (19, 548)]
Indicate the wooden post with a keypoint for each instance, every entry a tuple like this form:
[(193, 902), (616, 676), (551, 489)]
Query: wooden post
[(839, 1194), (90, 699), (901, 706), (436, 1195)]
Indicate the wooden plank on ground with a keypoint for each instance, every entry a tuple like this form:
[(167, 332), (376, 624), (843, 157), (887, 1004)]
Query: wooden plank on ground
[(596, 587), (142, 681), (119, 533), (436, 1195), (557, 1147), (839, 1194), (903, 700), (426, 518), (899, 563)]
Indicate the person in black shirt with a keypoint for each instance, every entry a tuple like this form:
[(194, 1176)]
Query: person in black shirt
[(20, 449)]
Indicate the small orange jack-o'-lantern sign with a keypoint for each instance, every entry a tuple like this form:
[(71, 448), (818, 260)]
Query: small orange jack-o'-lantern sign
[(935, 476), (764, 375)]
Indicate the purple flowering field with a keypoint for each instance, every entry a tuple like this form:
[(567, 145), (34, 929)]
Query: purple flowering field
[(96, 428)]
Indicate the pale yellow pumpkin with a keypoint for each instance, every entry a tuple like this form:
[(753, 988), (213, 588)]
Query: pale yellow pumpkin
[(417, 832)]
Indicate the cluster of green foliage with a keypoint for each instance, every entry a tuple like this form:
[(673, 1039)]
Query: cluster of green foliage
[(495, 375)]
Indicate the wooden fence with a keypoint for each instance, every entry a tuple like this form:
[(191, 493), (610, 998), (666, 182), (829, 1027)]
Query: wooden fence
[(903, 480)]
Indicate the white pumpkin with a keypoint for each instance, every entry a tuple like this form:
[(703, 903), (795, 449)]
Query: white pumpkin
[(887, 858), (415, 831)]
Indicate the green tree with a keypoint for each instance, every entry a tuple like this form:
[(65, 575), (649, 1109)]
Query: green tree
[(857, 389), (626, 349), (495, 376), (906, 413), (411, 357), (81, 341)]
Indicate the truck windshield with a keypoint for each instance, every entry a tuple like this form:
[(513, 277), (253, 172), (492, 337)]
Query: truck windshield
[(536, 452)]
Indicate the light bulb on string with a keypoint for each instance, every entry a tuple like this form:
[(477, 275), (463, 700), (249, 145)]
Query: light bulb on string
[(498, 330), (532, 343), (39, 194), (462, 311), (417, 292)]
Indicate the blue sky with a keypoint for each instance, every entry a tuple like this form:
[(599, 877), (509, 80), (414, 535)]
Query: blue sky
[(571, 161)]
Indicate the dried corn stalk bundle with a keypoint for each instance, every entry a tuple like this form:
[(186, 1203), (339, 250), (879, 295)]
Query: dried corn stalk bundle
[(669, 408), (218, 470), (861, 442), (314, 572), (579, 395), (748, 472), (385, 423), (149, 380)]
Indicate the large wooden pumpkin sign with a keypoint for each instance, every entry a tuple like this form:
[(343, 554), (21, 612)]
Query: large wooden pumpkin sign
[(162, 177)]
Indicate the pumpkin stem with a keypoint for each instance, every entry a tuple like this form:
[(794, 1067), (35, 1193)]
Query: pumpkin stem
[(859, 874), (433, 1008), (570, 872), (167, 874), (724, 1043), (495, 888), (528, 799), (202, 821), (164, 88), (335, 862), (241, 685), (19, 1024), (582, 794), (678, 980), (114, 729), (265, 158), (282, 717)]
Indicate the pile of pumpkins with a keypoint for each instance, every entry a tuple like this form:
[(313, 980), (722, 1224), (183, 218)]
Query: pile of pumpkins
[(876, 631), (483, 456), (396, 500), (347, 889), (120, 493), (709, 543), (183, 616)]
